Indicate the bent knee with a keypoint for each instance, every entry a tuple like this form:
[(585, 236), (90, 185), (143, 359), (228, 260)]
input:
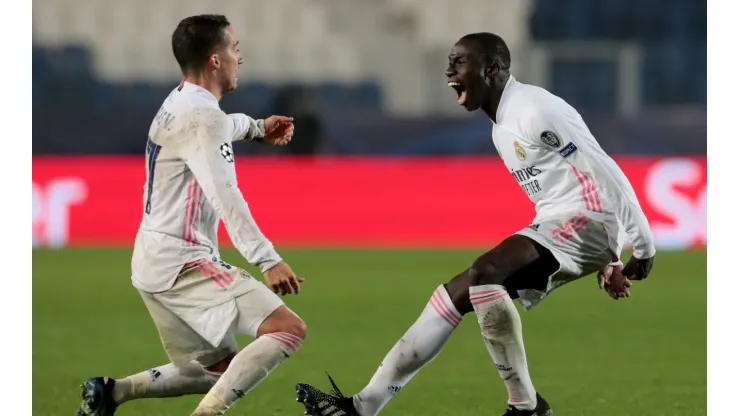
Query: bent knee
[(485, 272), (283, 320), (289, 335), (295, 327)]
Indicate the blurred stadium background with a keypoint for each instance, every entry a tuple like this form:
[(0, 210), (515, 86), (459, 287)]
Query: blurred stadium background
[(383, 160)]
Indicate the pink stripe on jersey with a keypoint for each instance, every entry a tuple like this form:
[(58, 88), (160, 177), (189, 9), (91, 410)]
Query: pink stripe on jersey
[(196, 215), (443, 310), (188, 210), (588, 190), (192, 212), (289, 340)]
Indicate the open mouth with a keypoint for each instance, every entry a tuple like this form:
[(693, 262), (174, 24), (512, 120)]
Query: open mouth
[(460, 90)]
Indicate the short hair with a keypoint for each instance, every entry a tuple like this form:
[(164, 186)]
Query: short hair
[(196, 37), (493, 47)]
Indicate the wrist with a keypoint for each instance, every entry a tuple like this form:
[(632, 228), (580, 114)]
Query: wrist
[(270, 262), (256, 131), (644, 251)]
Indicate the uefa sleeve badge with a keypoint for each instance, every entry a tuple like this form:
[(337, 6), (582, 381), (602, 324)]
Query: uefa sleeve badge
[(550, 139)]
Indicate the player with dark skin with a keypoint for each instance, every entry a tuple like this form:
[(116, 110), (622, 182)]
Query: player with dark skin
[(518, 262), (478, 71)]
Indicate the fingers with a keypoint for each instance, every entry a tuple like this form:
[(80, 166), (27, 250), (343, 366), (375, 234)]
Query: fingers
[(282, 118), (281, 287), (612, 293), (604, 277), (288, 286), (295, 286), (618, 294), (285, 288), (617, 286), (281, 135), (279, 126)]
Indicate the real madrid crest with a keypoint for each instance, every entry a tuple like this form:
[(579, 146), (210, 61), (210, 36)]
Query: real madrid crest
[(519, 150)]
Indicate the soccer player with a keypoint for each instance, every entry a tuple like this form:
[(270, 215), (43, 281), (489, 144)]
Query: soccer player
[(585, 205), (197, 301)]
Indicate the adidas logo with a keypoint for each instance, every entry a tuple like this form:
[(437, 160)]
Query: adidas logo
[(154, 374)]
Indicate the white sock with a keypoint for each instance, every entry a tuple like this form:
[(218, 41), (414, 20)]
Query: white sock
[(248, 368), (501, 327), (164, 381), (418, 346)]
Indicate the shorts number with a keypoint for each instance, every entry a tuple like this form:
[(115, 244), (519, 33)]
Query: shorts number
[(152, 151)]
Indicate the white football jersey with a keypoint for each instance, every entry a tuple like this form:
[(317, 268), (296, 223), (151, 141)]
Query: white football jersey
[(550, 152), (190, 185)]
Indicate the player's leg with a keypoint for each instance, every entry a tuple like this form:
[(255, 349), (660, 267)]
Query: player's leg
[(279, 333), (159, 382), (517, 263), (102, 395), (419, 345), (243, 370), (199, 304), (444, 311)]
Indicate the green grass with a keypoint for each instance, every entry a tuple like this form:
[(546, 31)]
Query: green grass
[(588, 354)]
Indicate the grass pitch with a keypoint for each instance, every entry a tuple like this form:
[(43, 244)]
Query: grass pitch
[(588, 354)]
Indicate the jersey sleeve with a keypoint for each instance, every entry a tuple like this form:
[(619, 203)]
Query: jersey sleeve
[(246, 128), (562, 130), (208, 154)]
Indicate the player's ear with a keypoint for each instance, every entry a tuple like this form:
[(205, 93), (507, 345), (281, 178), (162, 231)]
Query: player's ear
[(492, 70), (214, 61)]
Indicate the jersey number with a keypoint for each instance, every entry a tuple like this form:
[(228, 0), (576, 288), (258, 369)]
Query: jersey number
[(152, 151)]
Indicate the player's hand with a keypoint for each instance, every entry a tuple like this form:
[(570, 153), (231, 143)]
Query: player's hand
[(282, 280), (638, 269), (278, 130), (614, 282)]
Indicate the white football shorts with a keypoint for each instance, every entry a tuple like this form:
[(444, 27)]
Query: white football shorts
[(210, 302), (580, 244)]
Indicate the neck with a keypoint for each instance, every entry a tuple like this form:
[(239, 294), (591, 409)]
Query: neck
[(494, 98), (207, 83)]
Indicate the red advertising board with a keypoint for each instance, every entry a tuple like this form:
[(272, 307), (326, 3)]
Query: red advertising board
[(361, 202)]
